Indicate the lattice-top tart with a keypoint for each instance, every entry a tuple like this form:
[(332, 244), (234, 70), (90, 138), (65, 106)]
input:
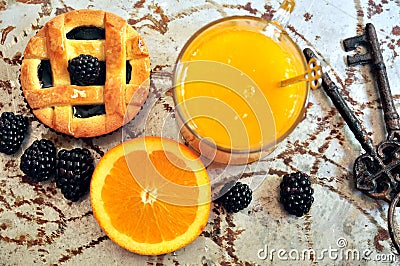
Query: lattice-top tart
[(85, 73)]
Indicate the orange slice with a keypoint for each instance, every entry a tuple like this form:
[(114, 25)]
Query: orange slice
[(151, 195)]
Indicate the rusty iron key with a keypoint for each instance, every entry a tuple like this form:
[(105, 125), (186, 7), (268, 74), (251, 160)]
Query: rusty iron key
[(354, 124), (379, 176), (384, 183), (374, 171), (367, 165), (374, 58)]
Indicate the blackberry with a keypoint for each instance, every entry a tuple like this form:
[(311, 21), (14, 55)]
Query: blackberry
[(74, 171), (296, 193), (39, 160), (84, 70), (235, 198), (12, 132)]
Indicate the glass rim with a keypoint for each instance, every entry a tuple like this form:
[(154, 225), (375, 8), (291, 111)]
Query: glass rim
[(263, 147)]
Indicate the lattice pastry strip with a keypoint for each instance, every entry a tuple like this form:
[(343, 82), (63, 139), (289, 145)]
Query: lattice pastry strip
[(54, 105)]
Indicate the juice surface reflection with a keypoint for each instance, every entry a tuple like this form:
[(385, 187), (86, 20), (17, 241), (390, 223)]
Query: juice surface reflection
[(266, 62)]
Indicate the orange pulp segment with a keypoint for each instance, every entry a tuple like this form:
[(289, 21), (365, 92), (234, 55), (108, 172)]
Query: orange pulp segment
[(151, 195)]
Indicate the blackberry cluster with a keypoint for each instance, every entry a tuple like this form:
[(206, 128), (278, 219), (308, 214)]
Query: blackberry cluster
[(236, 198), (39, 160), (296, 193), (74, 171), (12, 132), (84, 70)]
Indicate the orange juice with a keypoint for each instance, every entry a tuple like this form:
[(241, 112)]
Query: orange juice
[(246, 108)]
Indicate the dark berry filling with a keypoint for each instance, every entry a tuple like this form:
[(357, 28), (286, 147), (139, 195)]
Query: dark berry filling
[(102, 77), (128, 72), (44, 74), (86, 33), (86, 111)]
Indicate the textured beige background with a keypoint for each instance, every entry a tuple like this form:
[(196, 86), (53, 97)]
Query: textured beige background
[(38, 226)]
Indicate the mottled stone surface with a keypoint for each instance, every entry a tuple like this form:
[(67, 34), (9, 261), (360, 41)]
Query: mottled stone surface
[(38, 226)]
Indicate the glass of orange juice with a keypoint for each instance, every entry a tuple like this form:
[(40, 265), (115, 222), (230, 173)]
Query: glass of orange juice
[(230, 105)]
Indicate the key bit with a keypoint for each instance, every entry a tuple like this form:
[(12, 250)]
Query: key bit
[(373, 56), (353, 43)]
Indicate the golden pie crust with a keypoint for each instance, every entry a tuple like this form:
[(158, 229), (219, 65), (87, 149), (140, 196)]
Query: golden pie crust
[(53, 106)]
